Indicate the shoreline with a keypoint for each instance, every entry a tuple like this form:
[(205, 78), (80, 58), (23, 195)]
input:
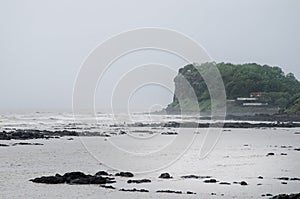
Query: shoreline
[(25, 134)]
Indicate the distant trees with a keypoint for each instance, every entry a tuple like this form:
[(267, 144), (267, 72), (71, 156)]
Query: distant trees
[(293, 105), (240, 80)]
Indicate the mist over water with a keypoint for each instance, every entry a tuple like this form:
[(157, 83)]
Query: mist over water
[(44, 43)]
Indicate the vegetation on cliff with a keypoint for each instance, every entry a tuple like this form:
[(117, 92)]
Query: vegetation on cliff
[(276, 88), (294, 105)]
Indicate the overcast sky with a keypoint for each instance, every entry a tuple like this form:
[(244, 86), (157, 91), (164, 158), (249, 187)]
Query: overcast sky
[(43, 43)]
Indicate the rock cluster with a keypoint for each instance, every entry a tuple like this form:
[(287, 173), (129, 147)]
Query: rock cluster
[(124, 174), (25, 134), (169, 191), (195, 177), (173, 124), (210, 181), (286, 196), (74, 178)]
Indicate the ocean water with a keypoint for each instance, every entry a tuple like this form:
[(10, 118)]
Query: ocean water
[(239, 155)]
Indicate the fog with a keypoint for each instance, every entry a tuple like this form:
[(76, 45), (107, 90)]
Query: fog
[(44, 43)]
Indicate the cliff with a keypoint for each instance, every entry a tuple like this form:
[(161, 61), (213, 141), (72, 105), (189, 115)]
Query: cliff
[(270, 87)]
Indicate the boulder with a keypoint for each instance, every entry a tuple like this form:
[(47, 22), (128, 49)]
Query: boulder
[(243, 183), (165, 176), (210, 181), (124, 174), (49, 180), (190, 192)]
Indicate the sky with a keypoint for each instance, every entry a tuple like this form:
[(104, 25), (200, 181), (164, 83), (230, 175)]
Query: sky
[(44, 43)]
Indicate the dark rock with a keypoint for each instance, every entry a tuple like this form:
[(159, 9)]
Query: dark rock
[(260, 177), (4, 145), (190, 192), (169, 191), (26, 143), (297, 149), (101, 180), (139, 181), (107, 187), (225, 183), (101, 173), (283, 154), (165, 176), (283, 178), (226, 125), (134, 190), (25, 134), (49, 180), (283, 182), (74, 175), (243, 183), (125, 174), (210, 181), (268, 194), (81, 181), (73, 178), (293, 179), (169, 133), (172, 124), (195, 177), (104, 135), (285, 196), (270, 154), (213, 194)]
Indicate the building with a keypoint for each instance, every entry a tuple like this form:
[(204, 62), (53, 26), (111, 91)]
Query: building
[(250, 101), (256, 94)]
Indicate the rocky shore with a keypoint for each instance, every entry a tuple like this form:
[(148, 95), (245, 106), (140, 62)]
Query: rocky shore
[(284, 117), (102, 178), (24, 134), (220, 125), (74, 178)]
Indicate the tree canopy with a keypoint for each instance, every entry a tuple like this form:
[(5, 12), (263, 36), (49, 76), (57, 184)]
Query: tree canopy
[(240, 80)]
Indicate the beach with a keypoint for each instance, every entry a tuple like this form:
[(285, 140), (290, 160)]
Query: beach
[(267, 159)]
